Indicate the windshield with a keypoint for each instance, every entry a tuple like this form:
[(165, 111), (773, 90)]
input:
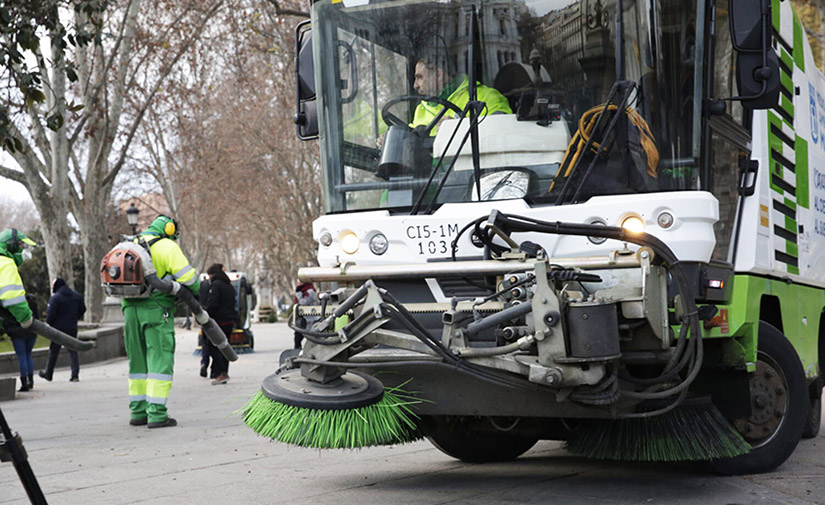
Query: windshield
[(394, 100)]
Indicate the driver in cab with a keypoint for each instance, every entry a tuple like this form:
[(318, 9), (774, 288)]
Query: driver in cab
[(431, 80)]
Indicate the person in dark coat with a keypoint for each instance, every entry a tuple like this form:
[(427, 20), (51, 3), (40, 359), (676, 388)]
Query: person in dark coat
[(66, 308), (23, 342), (221, 307), (305, 294)]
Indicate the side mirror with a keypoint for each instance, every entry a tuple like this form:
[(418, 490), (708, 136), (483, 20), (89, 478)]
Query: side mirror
[(747, 24), (757, 65), (306, 113)]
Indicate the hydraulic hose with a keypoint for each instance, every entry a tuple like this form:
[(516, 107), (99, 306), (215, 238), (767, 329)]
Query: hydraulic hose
[(210, 328), (58, 337), (503, 316)]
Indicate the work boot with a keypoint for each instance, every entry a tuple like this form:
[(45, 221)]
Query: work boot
[(45, 375), (75, 379), (169, 422), (30, 380), (24, 385), (221, 379), (138, 422)]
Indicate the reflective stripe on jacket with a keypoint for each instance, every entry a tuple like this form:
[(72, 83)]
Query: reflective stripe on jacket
[(12, 293)]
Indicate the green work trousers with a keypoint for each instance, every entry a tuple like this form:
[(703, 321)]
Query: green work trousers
[(150, 345)]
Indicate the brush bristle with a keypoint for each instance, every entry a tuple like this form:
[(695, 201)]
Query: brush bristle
[(388, 422), (690, 433)]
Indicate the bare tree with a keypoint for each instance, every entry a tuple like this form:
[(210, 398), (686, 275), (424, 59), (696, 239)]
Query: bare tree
[(226, 136), (72, 168)]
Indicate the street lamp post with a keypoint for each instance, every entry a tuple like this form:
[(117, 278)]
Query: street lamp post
[(132, 217)]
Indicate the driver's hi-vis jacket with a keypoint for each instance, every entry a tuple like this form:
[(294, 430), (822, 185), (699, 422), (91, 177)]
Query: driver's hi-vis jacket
[(459, 96)]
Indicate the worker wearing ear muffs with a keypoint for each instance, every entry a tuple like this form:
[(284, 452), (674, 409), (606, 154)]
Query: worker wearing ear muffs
[(150, 328), (14, 250)]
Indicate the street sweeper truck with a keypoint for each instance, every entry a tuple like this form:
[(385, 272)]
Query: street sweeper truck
[(595, 221)]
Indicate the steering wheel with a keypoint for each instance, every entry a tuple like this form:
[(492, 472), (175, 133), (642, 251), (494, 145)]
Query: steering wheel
[(392, 120)]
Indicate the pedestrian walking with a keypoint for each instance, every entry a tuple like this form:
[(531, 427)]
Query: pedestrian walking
[(305, 294), (65, 309), (221, 307)]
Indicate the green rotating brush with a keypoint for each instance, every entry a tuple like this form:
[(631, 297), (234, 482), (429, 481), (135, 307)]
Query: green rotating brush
[(693, 431), (353, 410)]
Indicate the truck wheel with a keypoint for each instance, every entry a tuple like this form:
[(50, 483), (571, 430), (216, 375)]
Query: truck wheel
[(251, 339), (779, 407), (461, 441), (814, 419)]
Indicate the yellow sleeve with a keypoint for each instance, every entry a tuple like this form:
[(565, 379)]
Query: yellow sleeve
[(12, 294), (169, 260)]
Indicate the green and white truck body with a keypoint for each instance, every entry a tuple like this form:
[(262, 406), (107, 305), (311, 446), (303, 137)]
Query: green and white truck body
[(736, 192)]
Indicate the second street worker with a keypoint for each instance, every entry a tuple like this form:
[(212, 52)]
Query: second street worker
[(150, 328), (13, 304)]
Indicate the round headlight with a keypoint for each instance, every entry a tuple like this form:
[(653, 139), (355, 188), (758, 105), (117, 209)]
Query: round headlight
[(598, 240), (633, 224), (379, 244), (665, 220), (349, 242), (325, 239)]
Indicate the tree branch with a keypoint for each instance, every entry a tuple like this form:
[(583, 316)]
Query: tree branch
[(14, 175), (287, 12), (158, 85)]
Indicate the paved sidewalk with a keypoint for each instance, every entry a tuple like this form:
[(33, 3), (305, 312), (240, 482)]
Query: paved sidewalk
[(83, 451)]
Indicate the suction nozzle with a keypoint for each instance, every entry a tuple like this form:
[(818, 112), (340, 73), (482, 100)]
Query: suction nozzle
[(58, 337)]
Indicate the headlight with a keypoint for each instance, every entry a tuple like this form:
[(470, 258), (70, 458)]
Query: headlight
[(665, 220), (349, 241), (379, 244), (633, 224), (598, 240)]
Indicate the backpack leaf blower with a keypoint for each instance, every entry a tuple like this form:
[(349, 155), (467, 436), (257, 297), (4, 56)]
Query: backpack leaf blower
[(127, 271)]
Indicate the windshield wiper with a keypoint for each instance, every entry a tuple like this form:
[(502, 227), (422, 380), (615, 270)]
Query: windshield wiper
[(473, 88), (473, 111), (472, 105)]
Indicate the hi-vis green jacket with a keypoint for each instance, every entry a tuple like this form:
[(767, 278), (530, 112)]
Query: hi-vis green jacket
[(170, 262), (12, 294), (457, 91)]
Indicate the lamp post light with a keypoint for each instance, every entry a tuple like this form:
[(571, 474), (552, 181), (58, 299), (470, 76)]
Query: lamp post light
[(132, 217)]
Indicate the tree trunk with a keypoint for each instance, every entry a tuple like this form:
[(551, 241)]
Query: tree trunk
[(96, 244)]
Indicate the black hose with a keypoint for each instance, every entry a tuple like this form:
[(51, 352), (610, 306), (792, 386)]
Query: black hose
[(210, 328), (58, 337), (508, 314), (693, 354)]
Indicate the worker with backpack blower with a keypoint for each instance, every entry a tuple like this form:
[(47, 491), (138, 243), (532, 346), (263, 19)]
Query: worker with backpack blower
[(150, 329), (12, 295)]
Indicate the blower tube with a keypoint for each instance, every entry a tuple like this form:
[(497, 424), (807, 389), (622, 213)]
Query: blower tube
[(210, 328), (58, 337)]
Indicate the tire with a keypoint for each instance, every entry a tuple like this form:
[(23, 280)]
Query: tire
[(814, 418), (459, 440), (780, 407), (251, 339)]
